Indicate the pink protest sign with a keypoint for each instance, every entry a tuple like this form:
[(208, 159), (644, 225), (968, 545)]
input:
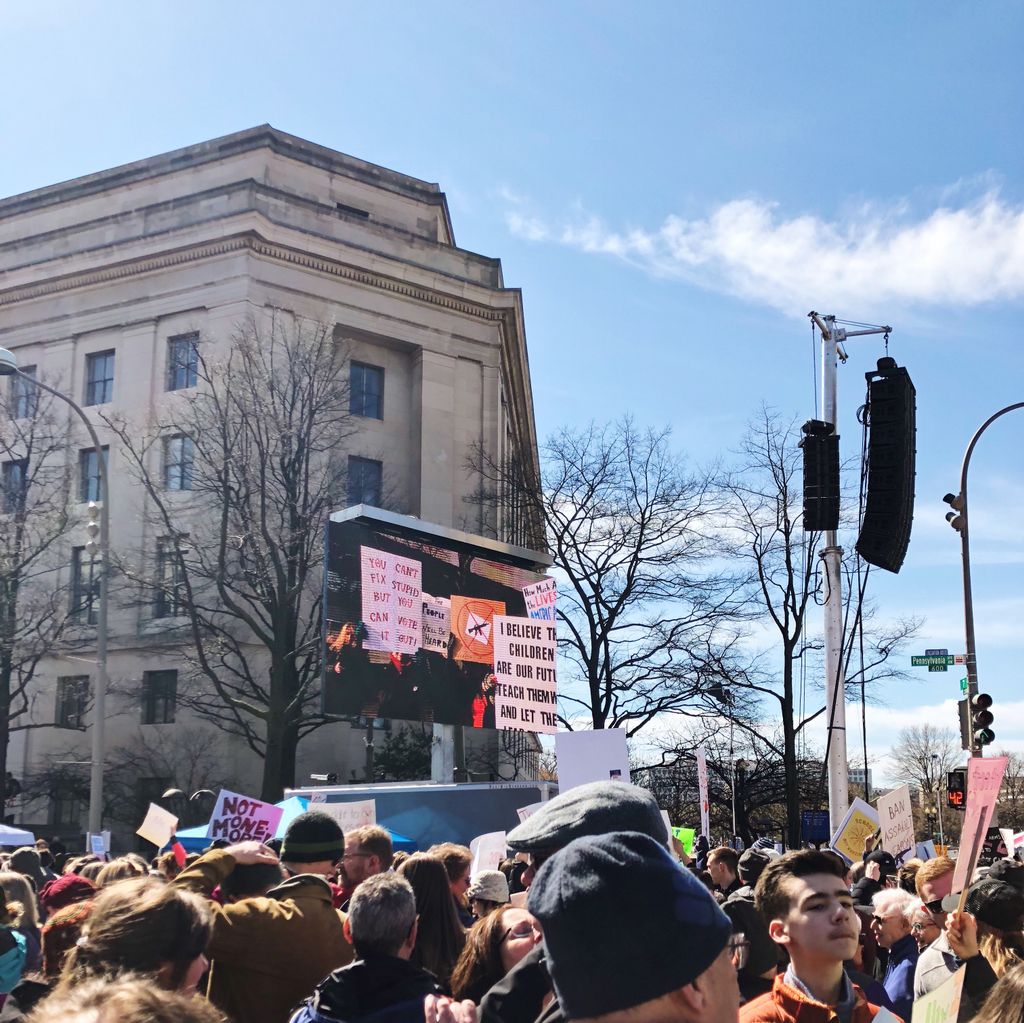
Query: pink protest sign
[(238, 818), (984, 780)]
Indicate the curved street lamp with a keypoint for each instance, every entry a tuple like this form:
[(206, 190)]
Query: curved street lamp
[(9, 367), (958, 519)]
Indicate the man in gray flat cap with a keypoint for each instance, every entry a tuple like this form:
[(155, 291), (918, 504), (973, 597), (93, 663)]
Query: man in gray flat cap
[(598, 808)]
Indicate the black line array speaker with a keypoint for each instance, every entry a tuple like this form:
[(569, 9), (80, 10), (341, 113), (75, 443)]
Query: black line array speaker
[(892, 437), (821, 475)]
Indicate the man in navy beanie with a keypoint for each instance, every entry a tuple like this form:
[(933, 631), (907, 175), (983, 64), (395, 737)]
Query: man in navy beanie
[(630, 936)]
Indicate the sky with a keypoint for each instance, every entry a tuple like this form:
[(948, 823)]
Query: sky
[(673, 186)]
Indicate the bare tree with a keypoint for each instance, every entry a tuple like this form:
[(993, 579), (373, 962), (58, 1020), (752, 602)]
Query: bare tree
[(764, 495), (240, 475), (38, 613), (1011, 798), (922, 755), (643, 605)]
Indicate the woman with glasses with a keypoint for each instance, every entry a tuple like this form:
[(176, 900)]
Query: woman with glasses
[(923, 927), (493, 946)]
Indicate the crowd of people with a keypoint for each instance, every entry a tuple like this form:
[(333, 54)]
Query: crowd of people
[(598, 916)]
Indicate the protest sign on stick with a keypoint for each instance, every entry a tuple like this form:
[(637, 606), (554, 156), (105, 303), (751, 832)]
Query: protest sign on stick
[(240, 818), (488, 851), (943, 1004), (686, 836), (585, 756), (896, 819), (984, 780), (541, 599), (437, 623), (392, 601), (860, 821), (158, 827), (525, 812)]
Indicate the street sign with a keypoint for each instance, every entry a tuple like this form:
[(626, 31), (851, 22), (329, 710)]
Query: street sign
[(941, 650), (814, 825), (963, 685), (938, 661)]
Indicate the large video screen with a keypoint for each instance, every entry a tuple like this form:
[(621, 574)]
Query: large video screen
[(427, 626)]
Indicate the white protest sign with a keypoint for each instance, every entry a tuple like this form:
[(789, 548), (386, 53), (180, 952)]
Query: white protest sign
[(357, 814), (984, 780), (98, 845), (1006, 834), (598, 755), (158, 827), (239, 818), (541, 599), (926, 850), (941, 1005), (392, 601), (524, 665), (437, 623), (488, 851), (525, 812), (896, 819), (668, 828), (702, 791)]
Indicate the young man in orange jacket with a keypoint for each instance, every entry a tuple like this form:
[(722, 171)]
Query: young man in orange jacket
[(809, 910)]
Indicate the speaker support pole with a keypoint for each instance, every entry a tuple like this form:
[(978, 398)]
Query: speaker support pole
[(831, 555)]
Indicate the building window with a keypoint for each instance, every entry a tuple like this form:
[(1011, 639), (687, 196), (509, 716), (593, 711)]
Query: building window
[(14, 479), (99, 378), (72, 694), (365, 478), (24, 394), (89, 473), (366, 391), (85, 586), (67, 807), (159, 695), (179, 458), (170, 586), (182, 361)]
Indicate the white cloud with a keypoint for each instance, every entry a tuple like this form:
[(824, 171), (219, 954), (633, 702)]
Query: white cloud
[(954, 255)]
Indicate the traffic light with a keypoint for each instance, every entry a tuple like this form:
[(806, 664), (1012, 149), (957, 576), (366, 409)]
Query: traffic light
[(981, 718), (892, 432), (956, 789), (966, 738), (955, 517), (821, 475), (92, 529)]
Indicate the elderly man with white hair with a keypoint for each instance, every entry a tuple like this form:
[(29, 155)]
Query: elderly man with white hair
[(890, 923)]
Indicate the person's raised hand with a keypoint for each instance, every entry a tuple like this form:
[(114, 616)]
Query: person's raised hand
[(248, 853), (962, 934), (873, 871), (442, 1009)]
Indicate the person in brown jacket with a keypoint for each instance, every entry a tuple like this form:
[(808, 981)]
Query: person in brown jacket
[(269, 953)]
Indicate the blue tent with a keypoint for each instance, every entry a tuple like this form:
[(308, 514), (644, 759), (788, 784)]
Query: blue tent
[(195, 839)]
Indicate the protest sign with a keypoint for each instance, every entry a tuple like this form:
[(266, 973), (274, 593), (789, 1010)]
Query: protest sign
[(98, 845), (355, 814), (702, 789), (158, 827), (1007, 836), (525, 812), (541, 599), (926, 850), (524, 666), (984, 779), (488, 851), (392, 604), (686, 836), (941, 1005), (668, 829), (896, 818), (472, 624), (437, 623), (860, 821), (240, 818), (598, 755)]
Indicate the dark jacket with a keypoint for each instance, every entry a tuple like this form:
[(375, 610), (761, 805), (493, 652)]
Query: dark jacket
[(763, 952), (517, 997), (899, 975), (268, 953), (377, 989), (23, 999)]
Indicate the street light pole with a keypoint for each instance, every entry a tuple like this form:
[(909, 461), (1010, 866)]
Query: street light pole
[(961, 524), (937, 789), (9, 367)]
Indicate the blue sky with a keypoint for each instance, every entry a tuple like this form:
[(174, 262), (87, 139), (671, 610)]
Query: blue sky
[(672, 185)]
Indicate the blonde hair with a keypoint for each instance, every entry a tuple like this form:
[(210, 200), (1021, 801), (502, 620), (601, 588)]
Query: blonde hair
[(21, 900), (118, 870), (127, 1000), (1002, 949)]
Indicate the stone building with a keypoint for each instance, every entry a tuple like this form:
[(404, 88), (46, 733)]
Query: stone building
[(107, 283)]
